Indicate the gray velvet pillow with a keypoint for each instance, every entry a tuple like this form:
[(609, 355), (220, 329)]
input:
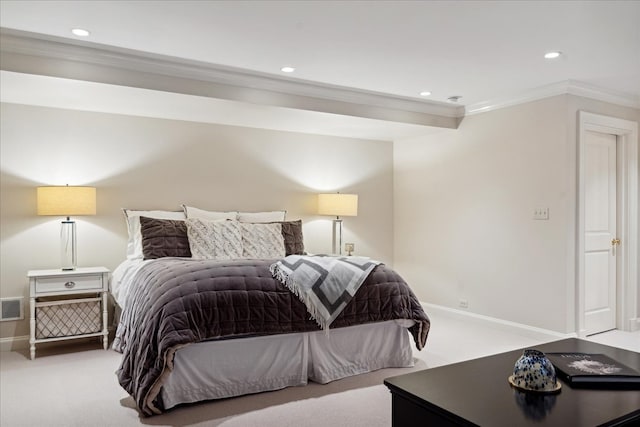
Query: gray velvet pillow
[(164, 238), (293, 239)]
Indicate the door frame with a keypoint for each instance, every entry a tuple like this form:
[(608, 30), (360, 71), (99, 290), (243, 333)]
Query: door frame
[(626, 132)]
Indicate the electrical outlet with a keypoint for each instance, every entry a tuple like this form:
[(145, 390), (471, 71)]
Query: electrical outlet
[(541, 213), (463, 303), (349, 248)]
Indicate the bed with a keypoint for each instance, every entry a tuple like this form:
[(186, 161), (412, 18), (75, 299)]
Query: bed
[(196, 328)]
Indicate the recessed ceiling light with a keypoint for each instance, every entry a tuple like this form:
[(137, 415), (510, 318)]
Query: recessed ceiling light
[(287, 69), (425, 93), (80, 32), (552, 55), (454, 98)]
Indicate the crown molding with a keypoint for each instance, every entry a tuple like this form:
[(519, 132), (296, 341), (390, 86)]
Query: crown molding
[(34, 53), (570, 87), (41, 54), (586, 90), (89, 96)]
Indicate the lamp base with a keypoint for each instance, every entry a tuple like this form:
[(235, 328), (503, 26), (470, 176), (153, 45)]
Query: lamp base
[(337, 236), (68, 258)]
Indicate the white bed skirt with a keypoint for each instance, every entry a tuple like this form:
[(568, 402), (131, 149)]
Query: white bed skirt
[(227, 368)]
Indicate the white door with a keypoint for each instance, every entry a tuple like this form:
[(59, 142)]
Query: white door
[(600, 232)]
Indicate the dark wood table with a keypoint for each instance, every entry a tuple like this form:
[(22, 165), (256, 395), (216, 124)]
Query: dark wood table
[(477, 393)]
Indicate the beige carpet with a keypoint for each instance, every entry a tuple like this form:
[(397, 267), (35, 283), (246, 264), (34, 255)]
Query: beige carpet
[(74, 384)]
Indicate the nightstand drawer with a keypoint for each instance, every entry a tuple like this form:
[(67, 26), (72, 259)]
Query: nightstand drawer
[(69, 283)]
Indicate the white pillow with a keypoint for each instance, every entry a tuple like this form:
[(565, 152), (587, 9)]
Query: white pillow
[(262, 241), (217, 239), (261, 216), (192, 212), (134, 244)]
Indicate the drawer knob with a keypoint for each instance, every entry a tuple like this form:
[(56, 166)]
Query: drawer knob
[(69, 285)]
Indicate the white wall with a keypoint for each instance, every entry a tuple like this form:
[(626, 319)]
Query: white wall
[(452, 210), (463, 212), (145, 163)]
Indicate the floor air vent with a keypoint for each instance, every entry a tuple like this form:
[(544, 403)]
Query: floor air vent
[(11, 309)]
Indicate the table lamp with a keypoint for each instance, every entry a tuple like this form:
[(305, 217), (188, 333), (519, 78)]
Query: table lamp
[(67, 201), (337, 204)]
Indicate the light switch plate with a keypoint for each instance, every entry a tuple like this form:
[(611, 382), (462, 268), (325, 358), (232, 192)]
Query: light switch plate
[(541, 213)]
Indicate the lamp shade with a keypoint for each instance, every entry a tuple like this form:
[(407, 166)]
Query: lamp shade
[(338, 204), (66, 201)]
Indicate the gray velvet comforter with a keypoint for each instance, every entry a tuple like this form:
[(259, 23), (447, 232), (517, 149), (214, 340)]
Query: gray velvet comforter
[(176, 302)]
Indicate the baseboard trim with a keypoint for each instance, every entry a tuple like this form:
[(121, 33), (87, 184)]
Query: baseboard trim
[(22, 342), (14, 343), (500, 324)]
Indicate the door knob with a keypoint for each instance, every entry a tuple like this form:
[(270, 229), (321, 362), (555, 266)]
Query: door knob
[(614, 243)]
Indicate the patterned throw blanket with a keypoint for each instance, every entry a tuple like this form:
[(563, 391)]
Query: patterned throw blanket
[(325, 284)]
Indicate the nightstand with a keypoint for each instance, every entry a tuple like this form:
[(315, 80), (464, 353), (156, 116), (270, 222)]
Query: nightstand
[(68, 304)]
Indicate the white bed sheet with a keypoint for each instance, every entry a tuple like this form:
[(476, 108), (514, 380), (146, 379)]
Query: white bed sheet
[(121, 279), (227, 368)]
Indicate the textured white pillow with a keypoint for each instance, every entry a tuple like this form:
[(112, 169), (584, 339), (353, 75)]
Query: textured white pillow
[(134, 244), (191, 212), (218, 239), (262, 241), (261, 216)]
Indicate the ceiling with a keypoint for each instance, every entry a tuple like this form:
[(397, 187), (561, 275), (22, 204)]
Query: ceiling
[(483, 51)]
